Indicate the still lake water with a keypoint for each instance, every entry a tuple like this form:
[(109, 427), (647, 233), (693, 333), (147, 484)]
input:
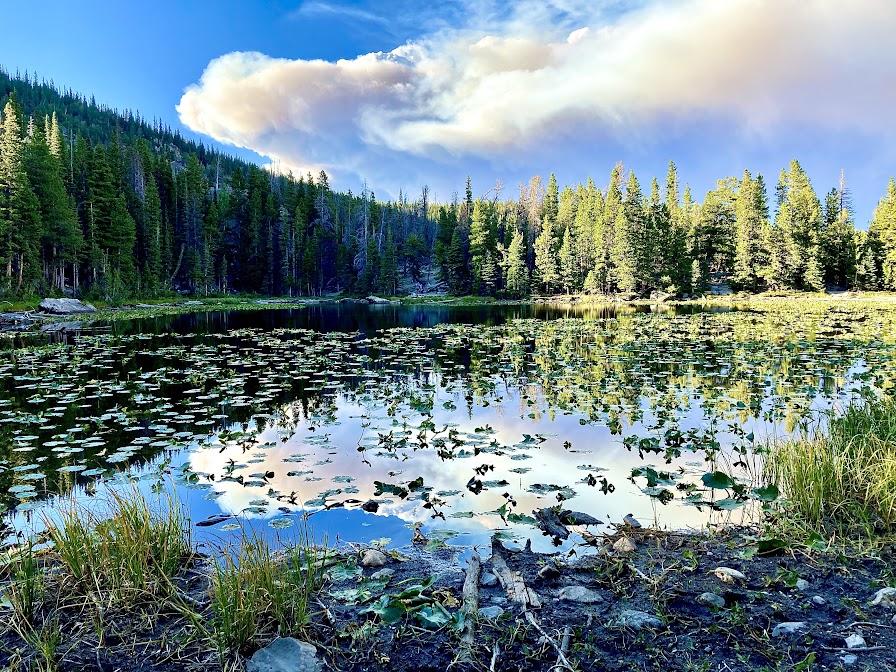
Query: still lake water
[(459, 420)]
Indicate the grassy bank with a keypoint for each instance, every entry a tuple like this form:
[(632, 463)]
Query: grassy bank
[(130, 573), (841, 478)]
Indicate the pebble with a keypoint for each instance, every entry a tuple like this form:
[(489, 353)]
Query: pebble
[(802, 584), (624, 545), (374, 558), (849, 659), (855, 642), (549, 571), (789, 628), (384, 573), (488, 580), (819, 600), (638, 620), (285, 655), (711, 600), (491, 613), (580, 594), (631, 521), (728, 575), (885, 597)]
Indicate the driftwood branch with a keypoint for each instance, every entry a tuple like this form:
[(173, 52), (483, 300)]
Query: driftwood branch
[(470, 608)]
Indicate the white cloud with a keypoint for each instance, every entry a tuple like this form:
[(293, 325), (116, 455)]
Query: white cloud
[(511, 79)]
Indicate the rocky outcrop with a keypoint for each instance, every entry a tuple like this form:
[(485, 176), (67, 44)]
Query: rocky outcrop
[(65, 307)]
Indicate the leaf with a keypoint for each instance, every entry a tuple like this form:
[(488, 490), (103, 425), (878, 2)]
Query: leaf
[(433, 616), (718, 480), (728, 504), (767, 494)]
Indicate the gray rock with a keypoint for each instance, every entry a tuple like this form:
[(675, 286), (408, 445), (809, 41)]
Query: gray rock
[(789, 628), (191, 303), (580, 594), (849, 659), (378, 300), (491, 613), (65, 307), (802, 584), (711, 600), (374, 558), (488, 580), (381, 575), (855, 642), (885, 597), (285, 655), (638, 620), (819, 600)]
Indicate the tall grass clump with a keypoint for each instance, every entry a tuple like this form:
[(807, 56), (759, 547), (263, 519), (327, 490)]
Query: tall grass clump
[(257, 594), (126, 554), (842, 477)]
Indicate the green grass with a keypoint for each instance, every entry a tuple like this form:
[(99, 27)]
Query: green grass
[(127, 554), (842, 477), (257, 595)]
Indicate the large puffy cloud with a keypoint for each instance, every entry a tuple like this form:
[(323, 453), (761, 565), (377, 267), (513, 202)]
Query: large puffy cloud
[(510, 80)]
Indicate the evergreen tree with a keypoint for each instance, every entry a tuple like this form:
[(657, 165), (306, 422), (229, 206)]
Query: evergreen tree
[(516, 270)]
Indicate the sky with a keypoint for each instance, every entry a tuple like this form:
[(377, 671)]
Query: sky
[(404, 94)]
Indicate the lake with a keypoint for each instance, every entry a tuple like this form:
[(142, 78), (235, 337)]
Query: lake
[(366, 422)]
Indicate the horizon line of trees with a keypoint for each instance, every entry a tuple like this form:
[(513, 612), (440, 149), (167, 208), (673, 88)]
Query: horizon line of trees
[(103, 205)]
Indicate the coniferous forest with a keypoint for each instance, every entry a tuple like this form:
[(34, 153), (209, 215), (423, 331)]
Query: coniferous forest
[(104, 204)]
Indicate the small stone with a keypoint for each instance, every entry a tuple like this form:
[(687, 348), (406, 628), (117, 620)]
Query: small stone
[(549, 571), (370, 506), (789, 628), (580, 594), (631, 521), (491, 613), (819, 600), (488, 580), (285, 655), (885, 597), (855, 642), (624, 545), (728, 575), (382, 574), (849, 659), (802, 584), (638, 620), (711, 600), (374, 558)]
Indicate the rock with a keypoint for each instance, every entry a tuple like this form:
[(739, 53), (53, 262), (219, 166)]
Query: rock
[(855, 642), (370, 506), (849, 659), (638, 620), (65, 307), (52, 327), (285, 655), (885, 597), (631, 521), (191, 303), (802, 584), (789, 628), (624, 545), (728, 575), (491, 613), (145, 305), (660, 297), (711, 600), (382, 574), (488, 580), (377, 300), (580, 594), (819, 600), (372, 557), (549, 571)]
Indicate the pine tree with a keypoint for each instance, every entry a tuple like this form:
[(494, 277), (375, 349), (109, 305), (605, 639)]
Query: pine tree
[(883, 229), (750, 255), (388, 275), (567, 261), (546, 259), (515, 263)]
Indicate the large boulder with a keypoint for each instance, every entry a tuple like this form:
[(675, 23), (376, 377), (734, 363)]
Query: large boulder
[(377, 300), (65, 307)]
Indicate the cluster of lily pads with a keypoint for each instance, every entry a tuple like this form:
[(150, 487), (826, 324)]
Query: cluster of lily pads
[(683, 395)]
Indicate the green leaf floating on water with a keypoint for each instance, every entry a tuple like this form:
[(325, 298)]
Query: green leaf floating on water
[(767, 494), (717, 480)]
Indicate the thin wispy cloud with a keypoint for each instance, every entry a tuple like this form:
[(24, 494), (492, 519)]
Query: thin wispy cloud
[(511, 76), (317, 9)]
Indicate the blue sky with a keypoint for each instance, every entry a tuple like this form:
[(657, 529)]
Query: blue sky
[(405, 93)]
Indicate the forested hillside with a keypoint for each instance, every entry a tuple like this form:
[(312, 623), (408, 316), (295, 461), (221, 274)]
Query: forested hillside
[(103, 204)]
